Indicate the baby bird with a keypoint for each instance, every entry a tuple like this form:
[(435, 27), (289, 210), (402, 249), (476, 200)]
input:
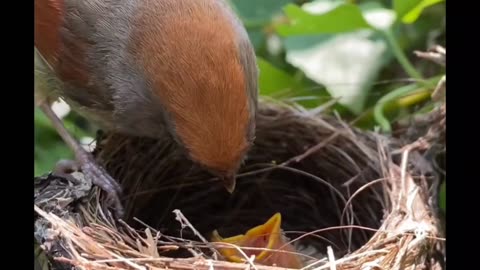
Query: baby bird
[(278, 252)]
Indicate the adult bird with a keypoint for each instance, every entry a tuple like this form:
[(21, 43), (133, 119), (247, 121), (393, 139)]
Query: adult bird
[(150, 68)]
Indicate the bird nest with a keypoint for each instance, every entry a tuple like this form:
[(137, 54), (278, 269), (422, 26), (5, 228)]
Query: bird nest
[(349, 199)]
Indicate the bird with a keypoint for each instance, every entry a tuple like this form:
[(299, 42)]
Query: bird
[(185, 69), (271, 247)]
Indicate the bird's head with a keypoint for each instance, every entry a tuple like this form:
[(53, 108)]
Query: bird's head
[(202, 68), (265, 241)]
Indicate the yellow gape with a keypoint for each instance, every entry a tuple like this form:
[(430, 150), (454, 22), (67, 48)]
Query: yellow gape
[(269, 236)]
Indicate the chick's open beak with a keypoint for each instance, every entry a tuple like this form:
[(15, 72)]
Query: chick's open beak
[(267, 236)]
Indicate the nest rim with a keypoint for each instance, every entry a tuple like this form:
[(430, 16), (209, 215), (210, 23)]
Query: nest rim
[(397, 221)]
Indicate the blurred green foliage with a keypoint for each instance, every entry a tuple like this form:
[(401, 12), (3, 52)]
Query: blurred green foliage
[(357, 52), (49, 147)]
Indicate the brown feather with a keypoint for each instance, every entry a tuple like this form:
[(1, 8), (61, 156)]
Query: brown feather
[(65, 53), (64, 47), (199, 80), (48, 19)]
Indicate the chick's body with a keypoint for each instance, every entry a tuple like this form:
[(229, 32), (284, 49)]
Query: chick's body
[(182, 68)]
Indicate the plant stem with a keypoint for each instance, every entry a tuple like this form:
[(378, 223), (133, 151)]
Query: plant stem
[(402, 92), (400, 55), (413, 98), (378, 110)]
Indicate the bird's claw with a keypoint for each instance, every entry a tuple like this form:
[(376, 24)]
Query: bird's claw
[(98, 175)]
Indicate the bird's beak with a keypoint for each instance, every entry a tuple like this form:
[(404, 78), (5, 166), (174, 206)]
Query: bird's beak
[(229, 182), (263, 236), (267, 235)]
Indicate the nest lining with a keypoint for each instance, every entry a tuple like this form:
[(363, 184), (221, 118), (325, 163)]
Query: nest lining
[(358, 201)]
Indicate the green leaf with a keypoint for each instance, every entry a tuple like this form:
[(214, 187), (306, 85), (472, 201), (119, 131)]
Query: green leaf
[(322, 6), (273, 80), (409, 10), (413, 15), (255, 10), (346, 64), (280, 85), (341, 19), (256, 15), (378, 16), (402, 7)]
